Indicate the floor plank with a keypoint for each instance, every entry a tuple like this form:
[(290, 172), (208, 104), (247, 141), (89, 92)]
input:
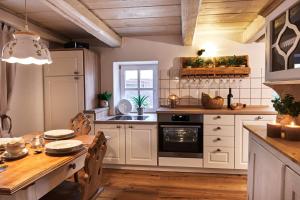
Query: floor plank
[(150, 185)]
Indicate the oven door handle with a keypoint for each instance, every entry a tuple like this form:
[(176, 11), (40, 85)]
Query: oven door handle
[(179, 126)]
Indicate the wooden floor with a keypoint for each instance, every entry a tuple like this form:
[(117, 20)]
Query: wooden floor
[(148, 185)]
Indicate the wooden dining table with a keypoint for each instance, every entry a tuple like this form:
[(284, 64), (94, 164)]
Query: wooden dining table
[(35, 175)]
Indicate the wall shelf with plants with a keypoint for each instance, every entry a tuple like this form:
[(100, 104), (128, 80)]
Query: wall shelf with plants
[(215, 67)]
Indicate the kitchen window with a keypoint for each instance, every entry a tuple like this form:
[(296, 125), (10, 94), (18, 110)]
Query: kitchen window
[(139, 80)]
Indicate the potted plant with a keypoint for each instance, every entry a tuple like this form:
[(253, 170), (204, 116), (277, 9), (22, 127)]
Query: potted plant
[(199, 62), (209, 62), (189, 63), (140, 102), (288, 109), (221, 62), (104, 98)]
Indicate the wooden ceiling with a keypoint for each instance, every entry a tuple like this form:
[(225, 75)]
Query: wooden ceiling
[(228, 15), (42, 15), (140, 17)]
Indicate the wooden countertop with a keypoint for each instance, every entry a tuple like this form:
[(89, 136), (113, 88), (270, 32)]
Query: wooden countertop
[(291, 149), (23, 172), (249, 110)]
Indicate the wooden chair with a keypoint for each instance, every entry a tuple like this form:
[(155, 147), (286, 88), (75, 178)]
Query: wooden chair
[(89, 185), (80, 124)]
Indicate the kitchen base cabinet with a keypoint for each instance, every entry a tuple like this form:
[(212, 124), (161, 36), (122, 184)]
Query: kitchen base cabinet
[(131, 144), (265, 174), (242, 136), (219, 157), (115, 153), (292, 183), (141, 145)]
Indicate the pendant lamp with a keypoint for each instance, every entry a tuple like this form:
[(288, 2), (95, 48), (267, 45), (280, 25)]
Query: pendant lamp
[(26, 48)]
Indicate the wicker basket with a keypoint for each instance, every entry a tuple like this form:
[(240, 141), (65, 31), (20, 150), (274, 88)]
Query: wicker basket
[(212, 103)]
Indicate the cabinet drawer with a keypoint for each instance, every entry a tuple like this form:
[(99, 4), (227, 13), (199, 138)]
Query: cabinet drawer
[(218, 141), (219, 157), (54, 178), (219, 119), (218, 130)]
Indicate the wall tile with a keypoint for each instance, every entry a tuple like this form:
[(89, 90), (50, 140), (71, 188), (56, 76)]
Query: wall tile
[(174, 84), (164, 84), (256, 83), (174, 91), (235, 93), (255, 93), (267, 93), (164, 74), (164, 93), (255, 101), (184, 93), (245, 83), (245, 101), (244, 93), (267, 102), (194, 93)]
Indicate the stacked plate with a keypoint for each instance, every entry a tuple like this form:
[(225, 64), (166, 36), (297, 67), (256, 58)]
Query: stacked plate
[(63, 147), (60, 134)]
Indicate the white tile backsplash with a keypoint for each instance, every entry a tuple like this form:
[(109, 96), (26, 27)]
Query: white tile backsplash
[(248, 90)]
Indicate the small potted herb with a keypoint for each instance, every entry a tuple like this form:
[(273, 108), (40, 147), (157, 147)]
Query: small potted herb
[(288, 109), (104, 98), (140, 102), (189, 63), (221, 62), (199, 62), (209, 62)]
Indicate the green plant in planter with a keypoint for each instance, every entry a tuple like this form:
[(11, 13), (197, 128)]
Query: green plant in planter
[(208, 62), (188, 63), (221, 62), (140, 102), (104, 98), (236, 61), (287, 106), (199, 62)]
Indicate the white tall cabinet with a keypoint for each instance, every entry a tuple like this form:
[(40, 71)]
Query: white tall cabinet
[(242, 136), (71, 83)]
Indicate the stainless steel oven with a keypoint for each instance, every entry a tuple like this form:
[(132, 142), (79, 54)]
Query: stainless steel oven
[(180, 135)]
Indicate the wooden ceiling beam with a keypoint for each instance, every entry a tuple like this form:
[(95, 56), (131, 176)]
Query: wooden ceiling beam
[(255, 30), (76, 12), (189, 15), (19, 23), (269, 7)]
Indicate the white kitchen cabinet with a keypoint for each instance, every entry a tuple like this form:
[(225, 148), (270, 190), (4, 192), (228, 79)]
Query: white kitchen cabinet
[(131, 144), (141, 144), (65, 63), (115, 153), (219, 157), (265, 174), (242, 136), (292, 183), (64, 98), (71, 83)]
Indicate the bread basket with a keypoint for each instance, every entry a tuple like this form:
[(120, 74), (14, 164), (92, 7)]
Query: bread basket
[(212, 103)]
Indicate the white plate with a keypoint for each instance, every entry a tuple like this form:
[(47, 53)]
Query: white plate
[(124, 106), (63, 146), (9, 156), (59, 138), (58, 133)]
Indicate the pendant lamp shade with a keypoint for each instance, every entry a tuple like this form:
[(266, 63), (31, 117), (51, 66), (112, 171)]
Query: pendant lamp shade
[(25, 48)]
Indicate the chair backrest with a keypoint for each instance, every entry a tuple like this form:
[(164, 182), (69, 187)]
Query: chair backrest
[(93, 167), (80, 124)]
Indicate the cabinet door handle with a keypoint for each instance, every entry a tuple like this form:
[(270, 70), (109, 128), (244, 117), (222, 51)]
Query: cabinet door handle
[(218, 139), (218, 117), (72, 166), (218, 128), (76, 72), (218, 150), (259, 117), (118, 126), (130, 126), (76, 77)]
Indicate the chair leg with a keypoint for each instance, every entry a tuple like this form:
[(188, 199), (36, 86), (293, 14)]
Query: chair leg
[(99, 191), (76, 178)]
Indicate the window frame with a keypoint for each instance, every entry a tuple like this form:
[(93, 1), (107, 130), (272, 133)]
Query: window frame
[(140, 67)]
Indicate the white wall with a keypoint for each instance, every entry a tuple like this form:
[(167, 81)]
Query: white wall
[(168, 49), (26, 108)]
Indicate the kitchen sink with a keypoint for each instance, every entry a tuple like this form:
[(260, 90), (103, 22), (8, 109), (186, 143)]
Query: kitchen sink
[(129, 117)]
